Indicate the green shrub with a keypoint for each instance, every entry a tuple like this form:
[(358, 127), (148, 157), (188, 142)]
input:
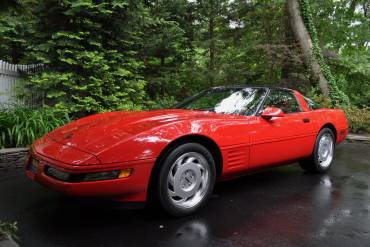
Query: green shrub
[(165, 103), (9, 229), (358, 119), (321, 100), (21, 126)]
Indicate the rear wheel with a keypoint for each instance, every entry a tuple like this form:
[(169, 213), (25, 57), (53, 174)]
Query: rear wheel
[(323, 153), (185, 180)]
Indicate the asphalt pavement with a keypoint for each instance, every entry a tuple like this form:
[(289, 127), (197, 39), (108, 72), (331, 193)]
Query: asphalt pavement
[(281, 207)]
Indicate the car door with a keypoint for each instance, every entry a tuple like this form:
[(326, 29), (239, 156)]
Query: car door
[(280, 140)]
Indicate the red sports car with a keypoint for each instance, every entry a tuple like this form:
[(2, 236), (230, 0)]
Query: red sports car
[(176, 155)]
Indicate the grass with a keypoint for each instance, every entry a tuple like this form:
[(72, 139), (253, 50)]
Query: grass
[(21, 126)]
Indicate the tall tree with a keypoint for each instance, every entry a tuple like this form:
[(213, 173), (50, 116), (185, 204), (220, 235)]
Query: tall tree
[(213, 14), (23, 7), (224, 41), (89, 51), (14, 31), (167, 43), (302, 35), (16, 18)]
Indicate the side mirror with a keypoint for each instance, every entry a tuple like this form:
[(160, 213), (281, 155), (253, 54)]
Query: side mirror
[(271, 112)]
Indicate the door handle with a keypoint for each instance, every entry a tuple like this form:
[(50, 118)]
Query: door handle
[(306, 120)]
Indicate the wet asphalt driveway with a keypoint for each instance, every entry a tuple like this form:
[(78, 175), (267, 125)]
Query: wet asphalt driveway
[(281, 207)]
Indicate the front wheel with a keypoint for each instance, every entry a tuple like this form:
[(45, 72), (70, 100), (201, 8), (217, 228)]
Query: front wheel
[(323, 153), (186, 179)]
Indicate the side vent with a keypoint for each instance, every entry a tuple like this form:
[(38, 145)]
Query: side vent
[(237, 158)]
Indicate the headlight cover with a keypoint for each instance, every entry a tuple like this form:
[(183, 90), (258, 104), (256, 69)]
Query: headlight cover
[(86, 177), (57, 174), (96, 176)]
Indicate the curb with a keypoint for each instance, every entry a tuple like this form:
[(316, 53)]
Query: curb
[(8, 242), (357, 138)]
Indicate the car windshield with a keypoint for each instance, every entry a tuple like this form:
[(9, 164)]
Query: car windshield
[(235, 101)]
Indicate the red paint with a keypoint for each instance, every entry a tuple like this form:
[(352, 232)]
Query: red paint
[(271, 112), (120, 140)]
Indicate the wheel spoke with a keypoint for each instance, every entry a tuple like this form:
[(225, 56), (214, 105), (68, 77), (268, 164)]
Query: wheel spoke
[(171, 179), (190, 159), (203, 181), (201, 167), (181, 200), (171, 193), (179, 163)]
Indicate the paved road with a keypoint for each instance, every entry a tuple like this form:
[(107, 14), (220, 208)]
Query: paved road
[(281, 207)]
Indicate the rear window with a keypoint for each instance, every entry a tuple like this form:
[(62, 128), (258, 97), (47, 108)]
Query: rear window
[(312, 105)]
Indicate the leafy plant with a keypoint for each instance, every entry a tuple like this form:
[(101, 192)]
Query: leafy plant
[(358, 119), (336, 94), (162, 103), (322, 100), (89, 49), (21, 126), (7, 228)]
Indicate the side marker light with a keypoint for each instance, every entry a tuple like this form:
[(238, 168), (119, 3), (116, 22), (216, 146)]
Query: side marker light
[(125, 173)]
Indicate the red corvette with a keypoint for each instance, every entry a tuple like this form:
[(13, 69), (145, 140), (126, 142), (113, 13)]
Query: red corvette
[(177, 155)]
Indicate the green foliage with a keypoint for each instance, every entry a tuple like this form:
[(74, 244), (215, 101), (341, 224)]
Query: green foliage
[(358, 119), (352, 70), (343, 33), (89, 48), (162, 103), (226, 42), (322, 100), (21, 126), (22, 7), (337, 96), (340, 25), (167, 45), (15, 29), (9, 229)]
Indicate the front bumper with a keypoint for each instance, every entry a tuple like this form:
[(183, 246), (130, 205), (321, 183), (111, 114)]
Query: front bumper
[(132, 189)]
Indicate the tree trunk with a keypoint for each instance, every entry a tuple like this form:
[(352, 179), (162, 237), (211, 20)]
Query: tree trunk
[(211, 48), (353, 5), (301, 34)]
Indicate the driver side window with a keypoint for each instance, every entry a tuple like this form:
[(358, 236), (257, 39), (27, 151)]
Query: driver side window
[(283, 100)]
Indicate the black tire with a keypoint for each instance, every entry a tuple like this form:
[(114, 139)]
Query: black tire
[(314, 163), (194, 172)]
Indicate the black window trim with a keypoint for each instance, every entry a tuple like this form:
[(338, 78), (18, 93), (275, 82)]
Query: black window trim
[(261, 102), (278, 89)]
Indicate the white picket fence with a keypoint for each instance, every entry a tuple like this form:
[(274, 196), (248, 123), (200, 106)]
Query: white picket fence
[(9, 73)]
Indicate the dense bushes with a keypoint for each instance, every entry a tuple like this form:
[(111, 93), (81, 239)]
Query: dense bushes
[(358, 118), (162, 103), (21, 126)]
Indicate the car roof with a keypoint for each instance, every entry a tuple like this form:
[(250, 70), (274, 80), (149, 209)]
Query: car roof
[(255, 86)]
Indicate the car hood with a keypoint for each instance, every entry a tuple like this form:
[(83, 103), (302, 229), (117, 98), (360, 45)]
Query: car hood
[(96, 133)]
